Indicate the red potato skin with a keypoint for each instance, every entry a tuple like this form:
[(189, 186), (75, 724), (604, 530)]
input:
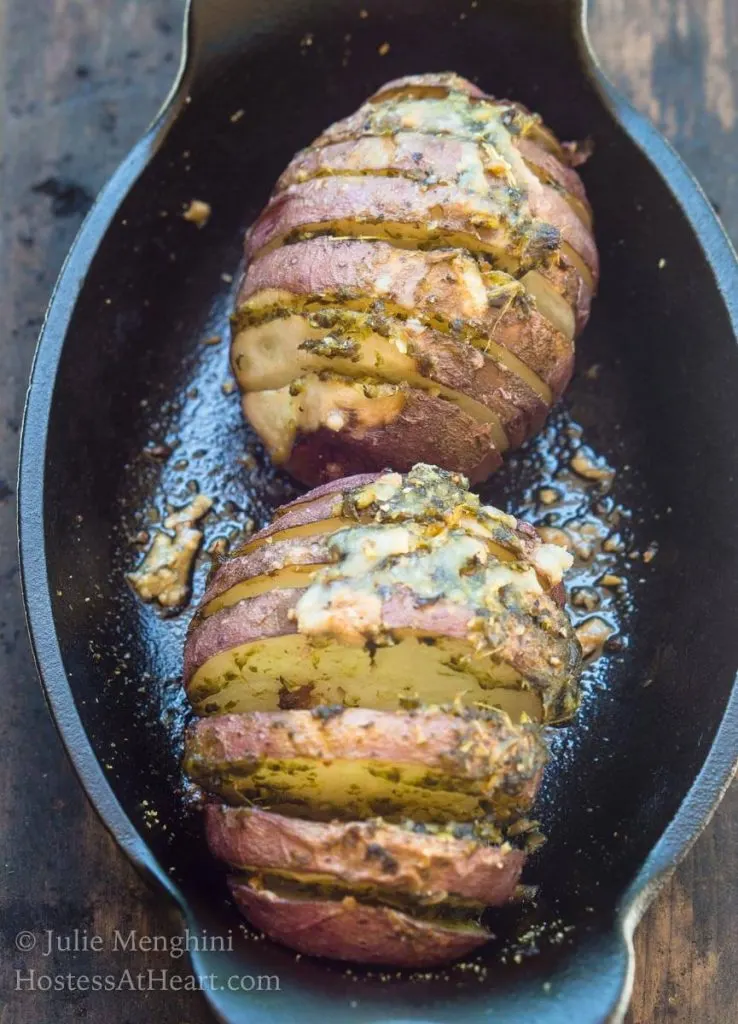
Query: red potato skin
[(459, 365), (421, 865), (255, 618), (569, 283), (487, 750), (548, 205), (538, 344), (427, 429), (325, 507), (331, 487), (525, 653), (426, 283), (557, 171), (265, 560), (447, 80), (320, 503), (412, 154), (369, 199), (348, 930)]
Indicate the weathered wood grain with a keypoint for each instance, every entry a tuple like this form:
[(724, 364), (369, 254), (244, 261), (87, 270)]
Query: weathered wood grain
[(78, 82), (677, 60)]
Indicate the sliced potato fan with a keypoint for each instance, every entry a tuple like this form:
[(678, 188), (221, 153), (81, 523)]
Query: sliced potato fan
[(408, 215), (444, 289), (432, 212)]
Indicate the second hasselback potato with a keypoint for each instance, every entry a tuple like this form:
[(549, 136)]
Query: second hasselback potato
[(414, 286), (370, 674)]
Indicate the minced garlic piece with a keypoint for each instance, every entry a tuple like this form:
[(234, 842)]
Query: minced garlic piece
[(198, 213), (165, 573), (593, 634)]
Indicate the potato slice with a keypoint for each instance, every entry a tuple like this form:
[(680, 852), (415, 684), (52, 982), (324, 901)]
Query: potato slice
[(290, 578), (251, 656), (346, 929), (425, 494), (272, 354), (550, 168), (275, 558), (408, 215), (524, 385), (468, 166), (459, 113), (373, 858), (444, 289), (286, 564), (287, 341), (321, 426), (277, 565), (354, 764), (427, 595), (289, 670), (314, 402), (444, 160), (464, 94), (435, 86)]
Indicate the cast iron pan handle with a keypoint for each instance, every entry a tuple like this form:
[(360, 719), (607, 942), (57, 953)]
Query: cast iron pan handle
[(224, 29)]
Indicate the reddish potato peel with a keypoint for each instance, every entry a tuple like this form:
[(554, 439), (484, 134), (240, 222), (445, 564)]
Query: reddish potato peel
[(348, 930), (422, 865)]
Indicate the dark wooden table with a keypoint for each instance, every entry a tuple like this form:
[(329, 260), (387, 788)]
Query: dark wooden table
[(79, 80)]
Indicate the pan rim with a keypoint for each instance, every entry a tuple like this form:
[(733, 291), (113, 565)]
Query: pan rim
[(721, 761), (720, 765)]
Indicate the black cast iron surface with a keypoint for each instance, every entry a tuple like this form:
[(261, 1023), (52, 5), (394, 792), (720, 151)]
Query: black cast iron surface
[(122, 366)]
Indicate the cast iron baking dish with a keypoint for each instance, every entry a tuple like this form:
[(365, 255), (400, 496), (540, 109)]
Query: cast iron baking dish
[(121, 366)]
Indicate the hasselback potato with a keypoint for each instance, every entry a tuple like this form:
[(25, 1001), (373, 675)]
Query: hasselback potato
[(370, 674), (414, 286)]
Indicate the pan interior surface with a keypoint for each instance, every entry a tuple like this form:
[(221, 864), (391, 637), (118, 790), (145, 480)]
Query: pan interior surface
[(654, 396)]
